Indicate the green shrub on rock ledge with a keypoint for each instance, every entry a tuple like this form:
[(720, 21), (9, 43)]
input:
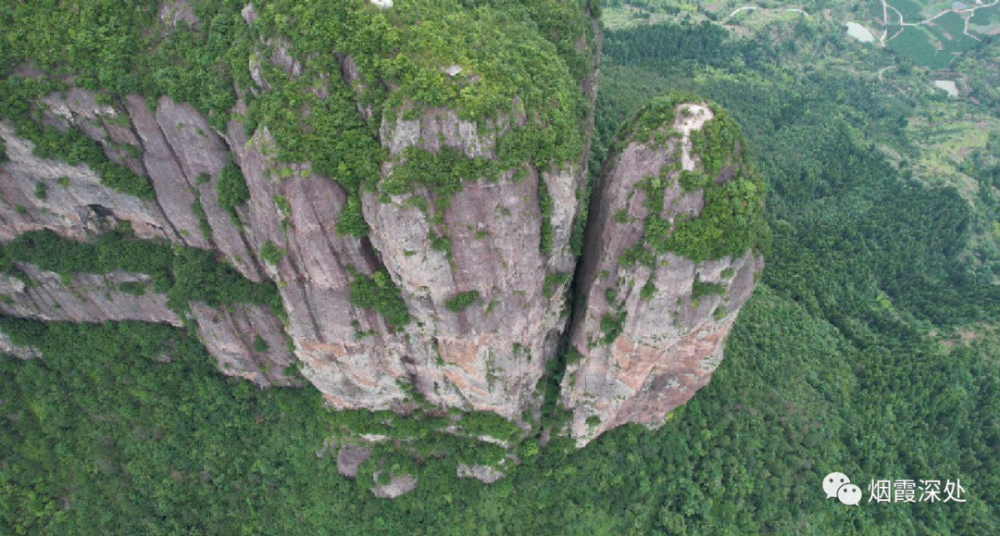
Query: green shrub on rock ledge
[(233, 190), (271, 253), (380, 293), (461, 300)]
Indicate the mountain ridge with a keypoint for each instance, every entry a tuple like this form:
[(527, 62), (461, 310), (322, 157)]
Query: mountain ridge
[(447, 274)]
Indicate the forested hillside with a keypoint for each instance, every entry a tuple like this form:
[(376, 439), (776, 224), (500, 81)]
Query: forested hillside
[(870, 348)]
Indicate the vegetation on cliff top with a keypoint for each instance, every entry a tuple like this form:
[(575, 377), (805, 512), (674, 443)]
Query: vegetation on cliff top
[(732, 221), (313, 113), (867, 349)]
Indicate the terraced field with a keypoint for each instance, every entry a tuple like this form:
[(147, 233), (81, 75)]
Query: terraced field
[(935, 34), (986, 18)]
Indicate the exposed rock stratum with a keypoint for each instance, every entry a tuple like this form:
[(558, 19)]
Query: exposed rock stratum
[(492, 287)]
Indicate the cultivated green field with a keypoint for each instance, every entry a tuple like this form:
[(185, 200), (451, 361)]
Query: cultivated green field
[(986, 17), (908, 8), (934, 35), (917, 45), (926, 33)]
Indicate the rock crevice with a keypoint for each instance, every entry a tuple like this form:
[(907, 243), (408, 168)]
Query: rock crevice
[(481, 265)]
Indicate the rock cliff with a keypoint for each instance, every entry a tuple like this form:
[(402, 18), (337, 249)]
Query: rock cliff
[(415, 212), (658, 298), (247, 340)]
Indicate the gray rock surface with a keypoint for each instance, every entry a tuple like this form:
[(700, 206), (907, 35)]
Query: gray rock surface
[(482, 473), (247, 341), (83, 298), (397, 486), (176, 12), (489, 356), (75, 204), (229, 334), (350, 458), (670, 344)]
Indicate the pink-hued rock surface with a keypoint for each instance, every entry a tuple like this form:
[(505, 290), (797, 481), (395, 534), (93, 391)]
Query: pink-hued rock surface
[(670, 344), (489, 356)]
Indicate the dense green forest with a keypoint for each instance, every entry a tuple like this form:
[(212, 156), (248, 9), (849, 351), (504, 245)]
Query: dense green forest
[(867, 349)]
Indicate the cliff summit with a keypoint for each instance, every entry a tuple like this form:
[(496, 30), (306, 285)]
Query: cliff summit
[(388, 201)]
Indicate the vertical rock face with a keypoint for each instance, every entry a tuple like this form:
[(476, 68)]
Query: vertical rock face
[(246, 340), (455, 286), (484, 244), (174, 147), (84, 298), (654, 321), (75, 204), (351, 368), (490, 354)]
